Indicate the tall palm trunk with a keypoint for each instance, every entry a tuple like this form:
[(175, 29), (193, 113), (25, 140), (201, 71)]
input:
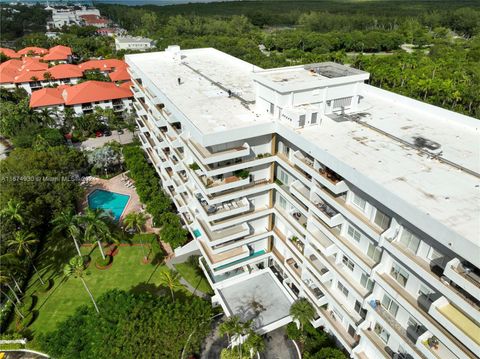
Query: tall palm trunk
[(36, 271), (16, 285), (76, 245), (13, 291), (90, 294), (14, 305), (101, 249), (171, 292)]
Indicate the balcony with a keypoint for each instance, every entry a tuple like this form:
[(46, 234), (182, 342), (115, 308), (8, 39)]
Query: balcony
[(322, 270), (460, 325), (218, 185), (326, 246), (432, 348), (408, 336), (208, 157), (300, 191), (326, 213), (230, 255), (293, 265), (324, 175), (338, 330), (435, 275), (419, 308), (224, 209), (224, 235), (314, 290), (465, 276)]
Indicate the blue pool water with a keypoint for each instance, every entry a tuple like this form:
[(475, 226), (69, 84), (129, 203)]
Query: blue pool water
[(197, 233), (108, 201)]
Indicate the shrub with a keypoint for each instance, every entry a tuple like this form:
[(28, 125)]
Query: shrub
[(28, 303), (47, 286), (242, 173), (232, 354), (103, 263), (194, 166), (293, 332)]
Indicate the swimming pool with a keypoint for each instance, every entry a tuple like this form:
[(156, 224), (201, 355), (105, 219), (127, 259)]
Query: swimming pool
[(109, 201)]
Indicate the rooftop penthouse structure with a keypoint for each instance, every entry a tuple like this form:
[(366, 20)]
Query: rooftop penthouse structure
[(305, 181)]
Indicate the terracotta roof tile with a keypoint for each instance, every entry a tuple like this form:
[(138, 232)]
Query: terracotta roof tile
[(8, 70), (58, 53), (102, 65), (35, 50), (92, 91), (10, 53), (46, 97), (119, 75)]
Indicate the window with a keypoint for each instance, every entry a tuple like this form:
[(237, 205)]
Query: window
[(366, 282), (348, 263), (374, 252), (282, 176), (409, 240), (400, 274), (426, 293), (412, 324), (390, 305), (359, 202), (302, 120), (314, 118), (382, 220), (353, 233), (272, 108), (282, 201), (382, 333), (342, 289)]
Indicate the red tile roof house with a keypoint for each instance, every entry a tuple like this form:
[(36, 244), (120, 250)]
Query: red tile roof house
[(94, 20), (83, 98), (30, 73)]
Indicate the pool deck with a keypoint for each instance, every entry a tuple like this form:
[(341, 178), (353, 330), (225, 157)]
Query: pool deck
[(115, 184)]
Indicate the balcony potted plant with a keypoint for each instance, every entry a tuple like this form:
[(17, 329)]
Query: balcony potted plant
[(433, 342)]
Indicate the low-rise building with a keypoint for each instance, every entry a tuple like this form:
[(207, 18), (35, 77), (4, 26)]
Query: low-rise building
[(32, 73), (67, 16), (83, 97), (134, 43)]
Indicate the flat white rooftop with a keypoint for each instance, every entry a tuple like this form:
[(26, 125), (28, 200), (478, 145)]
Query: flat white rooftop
[(259, 297), (442, 191), (206, 76)]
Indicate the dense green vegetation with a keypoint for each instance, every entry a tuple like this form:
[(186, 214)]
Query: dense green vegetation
[(134, 326), (18, 20), (443, 68), (159, 205)]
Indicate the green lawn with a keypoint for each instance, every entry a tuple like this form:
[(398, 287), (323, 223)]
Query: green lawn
[(127, 273), (194, 276)]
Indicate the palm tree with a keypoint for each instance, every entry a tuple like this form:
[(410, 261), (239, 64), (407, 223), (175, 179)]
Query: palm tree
[(136, 221), (235, 330), (23, 241), (76, 268), (96, 227), (171, 278), (13, 212), (5, 279), (302, 311), (69, 223), (254, 343)]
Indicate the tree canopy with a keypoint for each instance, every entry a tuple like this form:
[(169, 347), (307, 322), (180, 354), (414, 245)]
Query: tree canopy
[(131, 326)]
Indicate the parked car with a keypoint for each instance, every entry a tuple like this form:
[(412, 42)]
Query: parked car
[(107, 133), (98, 134)]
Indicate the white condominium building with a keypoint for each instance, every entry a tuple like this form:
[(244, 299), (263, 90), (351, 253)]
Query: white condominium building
[(304, 181)]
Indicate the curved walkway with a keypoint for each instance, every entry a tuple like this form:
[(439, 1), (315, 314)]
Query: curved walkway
[(187, 285)]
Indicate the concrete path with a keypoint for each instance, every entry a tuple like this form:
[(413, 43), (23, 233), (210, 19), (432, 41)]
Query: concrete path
[(188, 285), (214, 343), (278, 346)]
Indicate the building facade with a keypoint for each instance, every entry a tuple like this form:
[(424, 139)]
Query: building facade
[(360, 200), (133, 43)]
